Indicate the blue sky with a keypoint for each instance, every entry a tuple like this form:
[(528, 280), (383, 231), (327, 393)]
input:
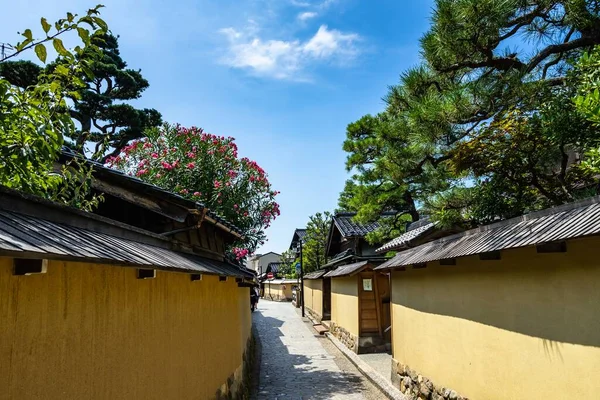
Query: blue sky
[(283, 77)]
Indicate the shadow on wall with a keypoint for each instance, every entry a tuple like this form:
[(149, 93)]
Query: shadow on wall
[(553, 297), (283, 374), (347, 285)]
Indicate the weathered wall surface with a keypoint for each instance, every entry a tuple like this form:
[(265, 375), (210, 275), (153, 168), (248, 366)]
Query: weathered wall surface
[(96, 332), (523, 327), (313, 296), (344, 303)]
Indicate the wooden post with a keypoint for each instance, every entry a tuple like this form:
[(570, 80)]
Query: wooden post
[(377, 302)]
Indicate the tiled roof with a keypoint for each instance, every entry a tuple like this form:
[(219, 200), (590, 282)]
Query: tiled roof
[(274, 266), (555, 224), (316, 274), (348, 253), (349, 228), (348, 269), (405, 239), (298, 236), (22, 234)]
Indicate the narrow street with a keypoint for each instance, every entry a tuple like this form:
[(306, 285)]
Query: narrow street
[(296, 363)]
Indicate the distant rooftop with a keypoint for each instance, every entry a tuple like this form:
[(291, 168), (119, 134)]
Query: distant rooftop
[(349, 228), (299, 234), (404, 240)]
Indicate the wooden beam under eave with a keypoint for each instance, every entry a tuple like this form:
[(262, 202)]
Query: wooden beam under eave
[(162, 207)]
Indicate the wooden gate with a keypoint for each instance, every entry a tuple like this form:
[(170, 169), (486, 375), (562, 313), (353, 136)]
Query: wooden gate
[(373, 289), (369, 304)]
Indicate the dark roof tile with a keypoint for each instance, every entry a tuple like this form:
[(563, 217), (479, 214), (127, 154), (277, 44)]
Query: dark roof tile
[(406, 238), (555, 224), (349, 228), (21, 233), (347, 270)]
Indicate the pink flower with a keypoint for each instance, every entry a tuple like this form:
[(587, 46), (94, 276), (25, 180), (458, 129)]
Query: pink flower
[(197, 194), (217, 184), (147, 145), (158, 175), (191, 165), (142, 172), (154, 155), (235, 206)]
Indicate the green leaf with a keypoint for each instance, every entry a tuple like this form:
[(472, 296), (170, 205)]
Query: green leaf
[(45, 25), (101, 23), (28, 35), (88, 20), (40, 51), (84, 35), (59, 47), (87, 71), (70, 17)]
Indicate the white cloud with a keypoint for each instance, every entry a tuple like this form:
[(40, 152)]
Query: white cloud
[(322, 5), (327, 43), (281, 59), (326, 4), (307, 15), (298, 3)]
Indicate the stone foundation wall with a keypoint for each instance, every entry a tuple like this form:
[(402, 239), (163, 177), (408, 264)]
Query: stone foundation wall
[(313, 315), (348, 339), (417, 387), (238, 384)]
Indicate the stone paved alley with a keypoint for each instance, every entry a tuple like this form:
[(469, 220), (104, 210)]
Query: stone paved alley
[(298, 364)]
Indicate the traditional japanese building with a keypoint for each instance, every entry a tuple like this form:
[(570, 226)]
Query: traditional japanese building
[(347, 292)]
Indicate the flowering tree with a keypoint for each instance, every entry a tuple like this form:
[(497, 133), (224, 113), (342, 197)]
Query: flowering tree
[(205, 168)]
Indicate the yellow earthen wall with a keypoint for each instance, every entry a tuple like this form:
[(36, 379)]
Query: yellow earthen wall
[(523, 327), (313, 295), (344, 303), (96, 332), (277, 292)]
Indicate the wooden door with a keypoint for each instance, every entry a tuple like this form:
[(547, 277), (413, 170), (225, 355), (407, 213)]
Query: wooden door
[(369, 304)]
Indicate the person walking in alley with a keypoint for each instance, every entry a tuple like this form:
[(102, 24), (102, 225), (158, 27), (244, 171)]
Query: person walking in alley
[(253, 297)]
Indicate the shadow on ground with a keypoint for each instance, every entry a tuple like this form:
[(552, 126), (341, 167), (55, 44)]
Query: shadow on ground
[(285, 375)]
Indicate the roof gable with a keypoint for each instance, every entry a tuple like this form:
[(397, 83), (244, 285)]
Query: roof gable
[(299, 235)]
